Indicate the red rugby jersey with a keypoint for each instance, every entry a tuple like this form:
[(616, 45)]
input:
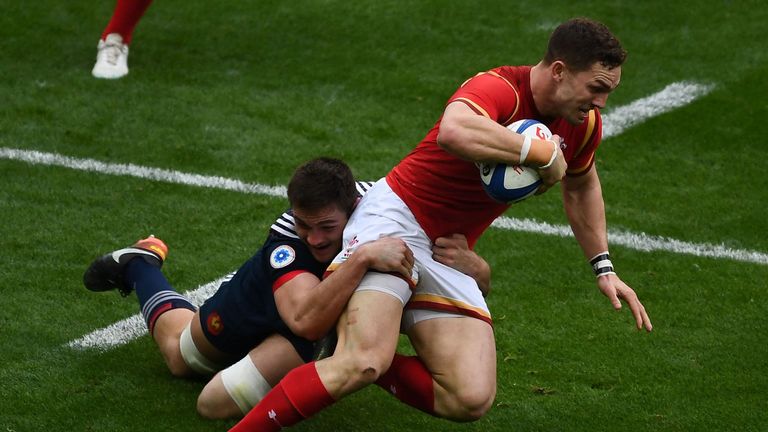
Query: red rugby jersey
[(444, 192)]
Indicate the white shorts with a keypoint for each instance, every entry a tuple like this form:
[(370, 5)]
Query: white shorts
[(440, 289)]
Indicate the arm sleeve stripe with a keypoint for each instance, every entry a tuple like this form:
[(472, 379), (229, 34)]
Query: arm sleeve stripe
[(363, 186), (285, 225), (479, 110), (473, 106), (517, 97), (588, 135), (581, 170), (285, 278), (590, 130)]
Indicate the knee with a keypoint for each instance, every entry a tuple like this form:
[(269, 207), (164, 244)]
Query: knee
[(178, 367), (209, 406), (471, 403), (206, 407), (175, 362), (215, 402), (366, 367)]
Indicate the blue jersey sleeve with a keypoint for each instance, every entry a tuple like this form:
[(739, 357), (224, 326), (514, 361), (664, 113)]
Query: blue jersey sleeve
[(286, 257)]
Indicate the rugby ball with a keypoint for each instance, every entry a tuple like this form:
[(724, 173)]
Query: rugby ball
[(514, 183)]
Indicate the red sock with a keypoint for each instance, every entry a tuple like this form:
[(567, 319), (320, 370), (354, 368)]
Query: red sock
[(300, 394), (410, 381), (127, 14)]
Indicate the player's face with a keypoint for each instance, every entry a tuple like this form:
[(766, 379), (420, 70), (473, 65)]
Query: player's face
[(580, 92), (321, 230)]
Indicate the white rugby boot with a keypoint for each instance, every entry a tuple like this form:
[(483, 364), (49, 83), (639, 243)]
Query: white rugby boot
[(111, 58)]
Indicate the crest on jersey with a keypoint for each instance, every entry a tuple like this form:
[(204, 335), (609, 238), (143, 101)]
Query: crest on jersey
[(214, 323), (282, 256)]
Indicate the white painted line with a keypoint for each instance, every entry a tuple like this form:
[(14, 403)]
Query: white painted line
[(126, 330), (642, 242), (672, 96), (156, 174)]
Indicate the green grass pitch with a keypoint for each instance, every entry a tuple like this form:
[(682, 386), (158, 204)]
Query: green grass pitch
[(248, 89)]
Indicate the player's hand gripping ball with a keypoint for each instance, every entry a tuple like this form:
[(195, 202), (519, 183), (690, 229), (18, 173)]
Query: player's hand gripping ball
[(513, 183)]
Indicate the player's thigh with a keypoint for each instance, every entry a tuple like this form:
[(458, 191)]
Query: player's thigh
[(460, 352), (274, 358), (369, 335), (372, 317)]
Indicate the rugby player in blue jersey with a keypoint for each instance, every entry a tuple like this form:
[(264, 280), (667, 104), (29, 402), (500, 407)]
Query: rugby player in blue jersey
[(262, 321)]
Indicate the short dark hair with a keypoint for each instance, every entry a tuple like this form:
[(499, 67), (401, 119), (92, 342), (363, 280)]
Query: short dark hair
[(321, 182), (582, 42)]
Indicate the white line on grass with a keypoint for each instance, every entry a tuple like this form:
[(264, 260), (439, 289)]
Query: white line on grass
[(157, 174), (641, 242), (672, 96)]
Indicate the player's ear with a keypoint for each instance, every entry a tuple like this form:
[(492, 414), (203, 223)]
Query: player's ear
[(557, 70)]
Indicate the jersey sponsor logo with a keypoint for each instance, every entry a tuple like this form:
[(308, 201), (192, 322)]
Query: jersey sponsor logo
[(214, 324), (273, 416), (282, 256)]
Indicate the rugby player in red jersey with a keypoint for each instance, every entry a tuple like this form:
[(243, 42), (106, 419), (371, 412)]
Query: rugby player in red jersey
[(435, 190)]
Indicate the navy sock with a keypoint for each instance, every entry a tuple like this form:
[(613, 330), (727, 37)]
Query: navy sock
[(156, 295), (145, 278)]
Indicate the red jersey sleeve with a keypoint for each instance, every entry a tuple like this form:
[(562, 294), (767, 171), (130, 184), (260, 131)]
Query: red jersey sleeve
[(491, 95)]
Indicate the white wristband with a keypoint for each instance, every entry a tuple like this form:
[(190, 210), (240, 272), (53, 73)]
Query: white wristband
[(552, 159), (525, 149)]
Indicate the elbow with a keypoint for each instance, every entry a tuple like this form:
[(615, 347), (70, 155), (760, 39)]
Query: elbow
[(306, 329), (449, 135)]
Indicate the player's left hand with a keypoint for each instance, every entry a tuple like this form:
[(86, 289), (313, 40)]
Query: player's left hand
[(389, 254), (454, 251), (616, 290), (556, 169)]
